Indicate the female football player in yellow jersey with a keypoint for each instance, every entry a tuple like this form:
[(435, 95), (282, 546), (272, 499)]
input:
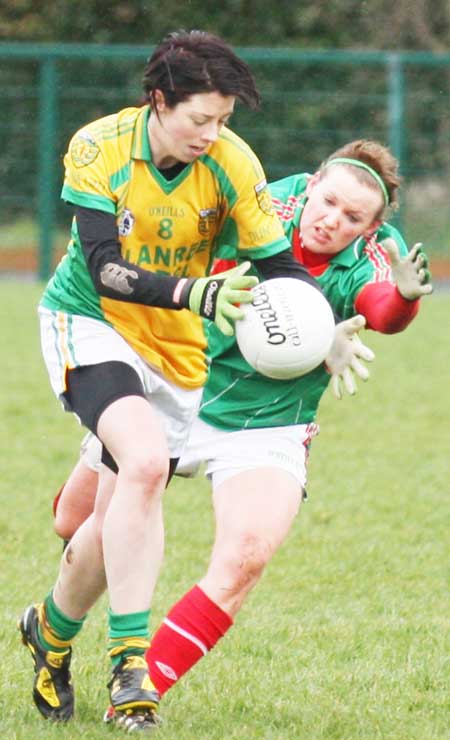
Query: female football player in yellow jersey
[(250, 432), (157, 191)]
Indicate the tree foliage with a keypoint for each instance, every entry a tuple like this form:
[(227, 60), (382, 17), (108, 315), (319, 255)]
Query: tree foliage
[(309, 108), (405, 24)]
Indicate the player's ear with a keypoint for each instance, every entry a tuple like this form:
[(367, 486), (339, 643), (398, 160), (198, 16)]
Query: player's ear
[(159, 101), (312, 182)]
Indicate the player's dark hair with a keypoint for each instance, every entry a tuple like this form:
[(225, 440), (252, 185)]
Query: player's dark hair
[(190, 62), (379, 158)]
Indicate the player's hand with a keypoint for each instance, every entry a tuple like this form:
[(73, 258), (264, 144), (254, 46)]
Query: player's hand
[(410, 274), (215, 297), (344, 359)]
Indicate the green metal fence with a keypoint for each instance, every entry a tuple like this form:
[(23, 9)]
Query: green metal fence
[(313, 102)]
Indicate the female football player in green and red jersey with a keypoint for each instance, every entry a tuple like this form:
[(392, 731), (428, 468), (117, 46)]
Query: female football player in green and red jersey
[(253, 432)]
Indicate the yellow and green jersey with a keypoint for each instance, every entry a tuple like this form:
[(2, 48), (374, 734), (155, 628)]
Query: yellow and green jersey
[(218, 205)]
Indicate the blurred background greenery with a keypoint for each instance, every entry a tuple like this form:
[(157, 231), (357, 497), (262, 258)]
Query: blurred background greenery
[(327, 74)]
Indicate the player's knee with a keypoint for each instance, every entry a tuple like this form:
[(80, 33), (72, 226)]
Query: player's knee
[(67, 521), (149, 471), (246, 557), (63, 528)]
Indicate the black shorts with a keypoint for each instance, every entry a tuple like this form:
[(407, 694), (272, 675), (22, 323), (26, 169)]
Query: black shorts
[(92, 388)]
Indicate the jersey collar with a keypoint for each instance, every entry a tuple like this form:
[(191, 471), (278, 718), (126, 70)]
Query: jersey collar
[(140, 148), (352, 253), (346, 258)]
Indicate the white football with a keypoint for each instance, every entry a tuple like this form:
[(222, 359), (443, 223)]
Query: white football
[(287, 330)]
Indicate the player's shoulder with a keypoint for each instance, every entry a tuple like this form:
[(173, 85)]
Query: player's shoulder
[(289, 194), (372, 246), (112, 135), (290, 185), (231, 141), (232, 153), (370, 254), (111, 126), (388, 231)]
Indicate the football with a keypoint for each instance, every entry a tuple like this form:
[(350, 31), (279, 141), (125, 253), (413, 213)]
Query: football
[(287, 330)]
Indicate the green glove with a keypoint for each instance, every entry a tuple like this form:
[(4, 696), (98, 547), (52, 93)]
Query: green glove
[(410, 274), (214, 297)]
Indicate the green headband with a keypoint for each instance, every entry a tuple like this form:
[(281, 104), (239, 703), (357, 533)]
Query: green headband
[(363, 166)]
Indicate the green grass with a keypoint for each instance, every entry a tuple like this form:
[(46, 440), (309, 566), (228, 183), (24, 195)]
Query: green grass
[(23, 233), (19, 234), (347, 635), (425, 216)]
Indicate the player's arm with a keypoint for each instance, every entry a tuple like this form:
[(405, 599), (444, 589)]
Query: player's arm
[(390, 306), (284, 264), (384, 308), (113, 276), (116, 278)]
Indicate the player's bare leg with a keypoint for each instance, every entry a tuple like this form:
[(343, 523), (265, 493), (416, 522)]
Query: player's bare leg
[(82, 578), (76, 500), (133, 539), (254, 511), (133, 434), (122, 540), (48, 629)]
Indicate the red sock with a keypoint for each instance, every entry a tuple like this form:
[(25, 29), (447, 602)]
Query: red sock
[(192, 627)]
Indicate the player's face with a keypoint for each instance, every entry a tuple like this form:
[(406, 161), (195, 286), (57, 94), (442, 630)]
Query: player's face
[(338, 210), (183, 133)]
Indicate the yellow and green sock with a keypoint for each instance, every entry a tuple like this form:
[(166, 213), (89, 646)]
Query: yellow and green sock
[(56, 630), (128, 634)]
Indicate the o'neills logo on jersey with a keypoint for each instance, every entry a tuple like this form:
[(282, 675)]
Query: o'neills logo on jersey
[(125, 222), (270, 320), (207, 218)]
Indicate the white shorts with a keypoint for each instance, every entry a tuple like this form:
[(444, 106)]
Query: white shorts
[(227, 453), (70, 341), (91, 452)]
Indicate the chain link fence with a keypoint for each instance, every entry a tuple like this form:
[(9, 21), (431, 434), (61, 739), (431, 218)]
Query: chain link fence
[(313, 102)]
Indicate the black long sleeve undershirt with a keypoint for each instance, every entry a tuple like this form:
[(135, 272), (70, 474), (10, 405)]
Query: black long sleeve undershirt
[(116, 278), (112, 275), (284, 264)]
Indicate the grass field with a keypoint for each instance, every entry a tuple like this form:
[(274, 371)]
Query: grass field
[(346, 637)]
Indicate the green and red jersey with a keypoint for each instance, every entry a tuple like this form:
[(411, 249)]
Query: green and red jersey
[(356, 280)]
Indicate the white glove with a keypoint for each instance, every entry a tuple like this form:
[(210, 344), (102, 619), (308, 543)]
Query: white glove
[(344, 358), (410, 273)]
